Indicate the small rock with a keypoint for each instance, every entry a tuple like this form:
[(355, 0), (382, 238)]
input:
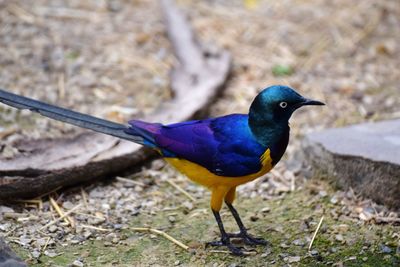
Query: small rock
[(171, 219), (398, 250), (292, 259), (188, 205), (298, 242), (176, 263), (339, 238), (254, 218), (267, 252), (334, 200), (25, 241), (87, 234), (352, 258), (68, 205), (343, 228), (385, 249), (4, 209), (266, 210), (284, 245), (35, 254), (364, 259), (52, 228), (322, 193), (314, 253), (50, 253), (77, 263)]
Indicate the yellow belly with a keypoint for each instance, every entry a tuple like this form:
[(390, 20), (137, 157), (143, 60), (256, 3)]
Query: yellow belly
[(202, 176)]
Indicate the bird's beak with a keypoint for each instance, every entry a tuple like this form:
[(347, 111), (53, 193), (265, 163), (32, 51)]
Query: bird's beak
[(310, 102)]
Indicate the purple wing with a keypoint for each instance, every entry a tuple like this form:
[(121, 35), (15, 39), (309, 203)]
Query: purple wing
[(223, 145)]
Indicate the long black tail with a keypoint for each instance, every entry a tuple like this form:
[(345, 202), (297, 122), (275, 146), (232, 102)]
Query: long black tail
[(69, 116)]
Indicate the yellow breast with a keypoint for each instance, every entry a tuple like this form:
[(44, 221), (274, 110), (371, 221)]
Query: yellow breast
[(206, 178)]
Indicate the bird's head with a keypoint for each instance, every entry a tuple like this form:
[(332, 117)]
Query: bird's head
[(277, 103), (273, 107)]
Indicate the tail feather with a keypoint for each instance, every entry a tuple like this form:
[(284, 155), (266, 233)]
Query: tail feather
[(71, 117)]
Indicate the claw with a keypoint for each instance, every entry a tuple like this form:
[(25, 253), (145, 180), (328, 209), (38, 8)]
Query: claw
[(248, 239), (225, 242)]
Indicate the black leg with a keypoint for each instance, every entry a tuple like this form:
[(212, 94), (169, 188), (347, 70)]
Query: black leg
[(248, 239), (225, 240)]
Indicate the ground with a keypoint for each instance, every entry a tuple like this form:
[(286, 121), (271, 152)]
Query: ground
[(111, 59)]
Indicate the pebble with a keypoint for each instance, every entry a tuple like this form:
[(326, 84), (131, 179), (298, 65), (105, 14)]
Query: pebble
[(334, 200), (35, 254), (254, 218), (293, 259), (265, 209), (25, 241), (298, 242), (77, 263), (284, 245), (5, 209), (52, 228), (339, 238), (188, 205), (171, 219), (50, 253), (267, 252), (385, 249)]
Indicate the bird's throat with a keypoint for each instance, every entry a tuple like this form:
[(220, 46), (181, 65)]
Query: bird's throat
[(266, 131)]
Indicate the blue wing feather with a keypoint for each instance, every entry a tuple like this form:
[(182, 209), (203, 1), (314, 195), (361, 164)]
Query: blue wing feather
[(224, 145)]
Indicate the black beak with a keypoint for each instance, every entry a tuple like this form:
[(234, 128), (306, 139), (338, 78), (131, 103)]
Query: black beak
[(309, 102)]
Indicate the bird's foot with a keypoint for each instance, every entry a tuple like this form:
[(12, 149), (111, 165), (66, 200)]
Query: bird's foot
[(248, 239), (225, 242)]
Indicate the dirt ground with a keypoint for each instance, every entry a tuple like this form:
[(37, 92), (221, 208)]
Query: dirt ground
[(111, 59)]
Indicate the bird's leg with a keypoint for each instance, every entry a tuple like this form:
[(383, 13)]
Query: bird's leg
[(247, 238), (216, 203), (225, 239)]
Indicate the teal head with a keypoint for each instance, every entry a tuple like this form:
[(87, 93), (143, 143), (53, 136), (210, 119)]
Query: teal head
[(271, 110)]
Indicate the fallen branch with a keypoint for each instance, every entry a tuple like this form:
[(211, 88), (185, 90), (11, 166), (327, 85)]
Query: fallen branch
[(47, 164)]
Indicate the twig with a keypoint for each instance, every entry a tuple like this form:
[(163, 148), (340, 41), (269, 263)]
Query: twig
[(315, 233), (129, 181), (95, 228), (62, 217), (159, 232), (47, 243), (58, 210), (84, 198), (180, 189)]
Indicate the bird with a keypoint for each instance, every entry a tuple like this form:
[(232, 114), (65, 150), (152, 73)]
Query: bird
[(219, 153)]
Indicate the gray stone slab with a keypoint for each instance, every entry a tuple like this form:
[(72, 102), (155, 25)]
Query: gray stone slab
[(365, 157), (7, 257)]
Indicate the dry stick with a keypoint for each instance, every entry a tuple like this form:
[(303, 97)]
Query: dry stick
[(180, 189), (84, 198), (95, 228), (315, 233), (159, 232), (129, 181), (47, 243), (62, 217), (58, 209)]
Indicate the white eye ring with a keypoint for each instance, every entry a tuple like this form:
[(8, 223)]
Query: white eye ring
[(283, 104)]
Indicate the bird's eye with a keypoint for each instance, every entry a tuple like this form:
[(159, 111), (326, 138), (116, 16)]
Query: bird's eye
[(283, 104)]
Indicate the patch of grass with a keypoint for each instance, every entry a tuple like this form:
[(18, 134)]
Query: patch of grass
[(284, 227)]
